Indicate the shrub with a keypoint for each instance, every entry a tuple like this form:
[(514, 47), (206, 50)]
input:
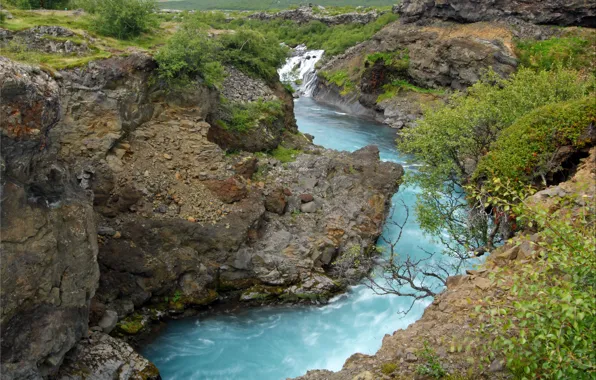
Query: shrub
[(431, 365), (451, 139), (190, 53), (124, 19), (253, 53), (524, 151), (388, 368), (399, 60), (544, 325), (37, 4)]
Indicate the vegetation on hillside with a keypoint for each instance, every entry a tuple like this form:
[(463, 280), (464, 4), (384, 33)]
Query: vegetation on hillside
[(193, 52), (265, 4), (543, 325), (316, 35)]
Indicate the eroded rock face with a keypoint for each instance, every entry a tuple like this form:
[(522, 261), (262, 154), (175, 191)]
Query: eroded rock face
[(49, 240), (556, 12), (440, 55), (46, 39)]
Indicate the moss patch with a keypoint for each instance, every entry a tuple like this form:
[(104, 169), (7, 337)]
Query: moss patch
[(131, 325)]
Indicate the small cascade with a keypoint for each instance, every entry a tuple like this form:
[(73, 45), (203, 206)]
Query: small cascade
[(299, 70)]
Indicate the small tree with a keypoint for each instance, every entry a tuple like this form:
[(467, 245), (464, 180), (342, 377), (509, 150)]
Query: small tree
[(124, 19)]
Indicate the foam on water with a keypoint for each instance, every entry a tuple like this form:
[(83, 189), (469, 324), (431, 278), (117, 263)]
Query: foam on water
[(275, 343)]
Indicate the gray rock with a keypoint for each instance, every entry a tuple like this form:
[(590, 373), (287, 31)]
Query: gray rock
[(557, 12), (309, 207), (109, 321), (104, 357)]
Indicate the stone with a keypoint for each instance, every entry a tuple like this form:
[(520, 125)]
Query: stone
[(306, 198), (482, 283), (496, 365), (309, 207), (276, 202), (228, 191), (104, 357), (109, 321), (411, 357)]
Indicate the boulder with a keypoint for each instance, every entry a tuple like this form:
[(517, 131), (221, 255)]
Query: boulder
[(103, 357)]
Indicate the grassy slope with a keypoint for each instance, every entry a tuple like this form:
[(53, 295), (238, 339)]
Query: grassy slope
[(263, 4)]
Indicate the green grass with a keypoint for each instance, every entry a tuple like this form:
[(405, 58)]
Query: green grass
[(392, 89), (285, 155), (341, 79), (28, 19), (571, 51), (246, 116)]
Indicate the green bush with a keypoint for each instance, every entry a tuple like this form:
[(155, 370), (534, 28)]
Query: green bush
[(451, 139), (333, 39), (242, 117), (37, 4), (124, 19), (573, 52), (431, 365), (190, 53), (253, 53), (544, 325), (523, 151), (399, 60)]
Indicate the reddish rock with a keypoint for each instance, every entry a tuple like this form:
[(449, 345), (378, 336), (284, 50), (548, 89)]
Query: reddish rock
[(276, 202), (287, 192), (228, 191), (246, 167), (305, 198)]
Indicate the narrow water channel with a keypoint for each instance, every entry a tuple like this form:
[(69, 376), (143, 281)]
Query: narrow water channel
[(274, 343)]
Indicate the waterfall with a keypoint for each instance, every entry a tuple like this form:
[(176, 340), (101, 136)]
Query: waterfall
[(299, 70)]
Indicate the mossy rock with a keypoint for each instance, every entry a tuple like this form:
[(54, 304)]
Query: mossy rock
[(261, 293), (229, 285), (131, 325), (211, 297)]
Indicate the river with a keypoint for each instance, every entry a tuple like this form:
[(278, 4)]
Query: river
[(279, 342)]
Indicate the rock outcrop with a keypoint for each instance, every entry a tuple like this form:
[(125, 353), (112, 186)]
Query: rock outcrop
[(553, 12), (49, 241), (429, 58), (308, 13)]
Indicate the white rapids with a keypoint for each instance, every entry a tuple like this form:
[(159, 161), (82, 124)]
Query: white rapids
[(300, 71)]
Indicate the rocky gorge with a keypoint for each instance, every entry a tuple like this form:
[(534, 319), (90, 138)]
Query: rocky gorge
[(134, 210), (127, 202)]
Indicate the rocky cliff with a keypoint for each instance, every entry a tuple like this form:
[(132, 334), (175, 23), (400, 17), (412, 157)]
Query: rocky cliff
[(406, 65), (124, 200), (554, 12)]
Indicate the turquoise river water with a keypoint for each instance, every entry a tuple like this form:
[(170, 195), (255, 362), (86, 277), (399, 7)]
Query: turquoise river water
[(275, 343)]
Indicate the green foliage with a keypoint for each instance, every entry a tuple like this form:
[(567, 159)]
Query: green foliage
[(245, 116), (190, 52), (432, 366), (572, 51), (544, 326), (451, 138), (333, 39), (268, 4), (253, 53), (124, 19), (37, 4), (399, 60), (341, 79), (524, 151), (284, 154), (388, 368)]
